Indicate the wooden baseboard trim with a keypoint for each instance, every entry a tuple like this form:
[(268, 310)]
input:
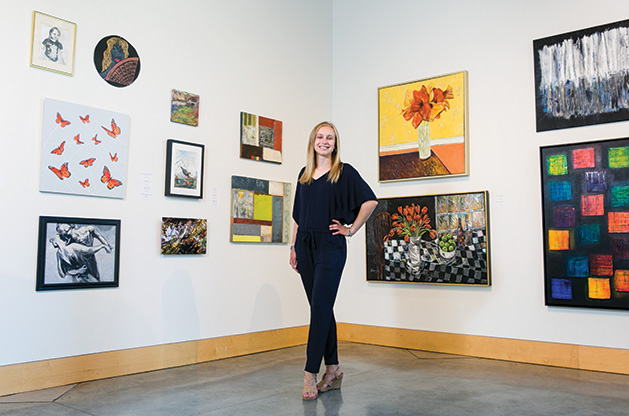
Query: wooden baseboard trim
[(19, 378), (610, 360)]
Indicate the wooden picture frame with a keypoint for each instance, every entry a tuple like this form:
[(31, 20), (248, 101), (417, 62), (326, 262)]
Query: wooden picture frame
[(52, 44), (184, 169), (78, 253)]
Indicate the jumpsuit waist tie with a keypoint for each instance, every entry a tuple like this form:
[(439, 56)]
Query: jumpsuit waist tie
[(308, 237)]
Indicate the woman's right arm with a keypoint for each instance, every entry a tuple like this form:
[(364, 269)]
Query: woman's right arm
[(293, 254)]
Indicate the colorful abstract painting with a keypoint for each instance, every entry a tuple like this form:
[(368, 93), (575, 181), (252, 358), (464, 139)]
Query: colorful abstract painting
[(184, 236), (585, 197), (260, 211), (260, 138), (184, 108), (581, 77), (440, 239), (84, 150), (422, 129)]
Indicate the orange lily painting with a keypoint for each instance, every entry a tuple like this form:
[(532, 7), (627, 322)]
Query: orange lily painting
[(423, 129)]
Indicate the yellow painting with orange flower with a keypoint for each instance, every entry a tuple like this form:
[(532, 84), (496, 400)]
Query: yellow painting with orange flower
[(423, 128)]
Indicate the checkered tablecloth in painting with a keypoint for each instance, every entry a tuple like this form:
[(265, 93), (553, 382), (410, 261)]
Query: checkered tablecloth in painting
[(469, 266)]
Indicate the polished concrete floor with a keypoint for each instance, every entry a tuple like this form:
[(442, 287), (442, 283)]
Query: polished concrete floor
[(378, 381)]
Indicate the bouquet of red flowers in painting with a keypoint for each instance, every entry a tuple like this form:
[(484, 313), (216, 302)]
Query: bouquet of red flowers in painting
[(410, 221)]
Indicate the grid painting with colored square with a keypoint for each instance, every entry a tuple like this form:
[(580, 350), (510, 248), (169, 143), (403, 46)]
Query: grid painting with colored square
[(260, 210), (260, 138), (585, 200)]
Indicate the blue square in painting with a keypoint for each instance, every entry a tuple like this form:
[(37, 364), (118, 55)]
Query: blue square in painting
[(589, 234), (620, 196), (596, 181), (561, 289), (560, 191), (578, 267)]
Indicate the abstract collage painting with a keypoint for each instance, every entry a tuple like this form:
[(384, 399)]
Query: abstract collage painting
[(261, 210), (260, 138), (585, 202)]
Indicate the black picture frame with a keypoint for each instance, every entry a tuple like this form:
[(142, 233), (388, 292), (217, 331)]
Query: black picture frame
[(184, 169), (78, 253)]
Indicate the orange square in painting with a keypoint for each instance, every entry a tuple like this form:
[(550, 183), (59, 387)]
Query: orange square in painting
[(599, 288), (583, 158), (621, 280), (618, 222), (592, 205), (558, 240)]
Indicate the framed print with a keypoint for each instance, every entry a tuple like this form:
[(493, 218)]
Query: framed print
[(77, 253), (184, 108), (84, 150), (581, 77), (440, 239), (585, 206), (184, 169), (261, 211), (52, 44), (260, 138), (184, 236), (422, 129)]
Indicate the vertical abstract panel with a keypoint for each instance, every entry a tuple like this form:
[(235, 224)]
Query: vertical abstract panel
[(260, 138), (586, 255), (260, 210)]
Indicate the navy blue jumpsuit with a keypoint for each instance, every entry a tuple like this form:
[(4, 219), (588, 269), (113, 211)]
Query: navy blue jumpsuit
[(321, 256)]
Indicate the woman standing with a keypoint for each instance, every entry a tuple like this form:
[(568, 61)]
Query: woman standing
[(329, 195)]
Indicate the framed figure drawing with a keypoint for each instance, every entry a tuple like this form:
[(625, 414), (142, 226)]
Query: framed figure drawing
[(77, 253), (581, 77), (439, 239), (52, 44), (184, 169), (422, 129), (585, 206)]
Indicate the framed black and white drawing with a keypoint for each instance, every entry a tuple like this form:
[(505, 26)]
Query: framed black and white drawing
[(52, 44), (78, 253)]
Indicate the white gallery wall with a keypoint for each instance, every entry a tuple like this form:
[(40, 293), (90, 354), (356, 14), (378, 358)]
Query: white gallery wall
[(271, 58), (300, 62), (378, 44)]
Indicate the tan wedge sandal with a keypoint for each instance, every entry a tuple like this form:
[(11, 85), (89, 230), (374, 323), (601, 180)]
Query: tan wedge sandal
[(310, 391), (334, 383)]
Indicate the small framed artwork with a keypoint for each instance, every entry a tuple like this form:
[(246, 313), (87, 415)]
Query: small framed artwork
[(260, 138), (184, 169), (438, 239), (184, 236), (585, 207), (184, 108), (52, 44), (77, 253), (581, 77), (422, 129)]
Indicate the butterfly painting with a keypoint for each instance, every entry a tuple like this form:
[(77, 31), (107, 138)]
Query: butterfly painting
[(74, 140)]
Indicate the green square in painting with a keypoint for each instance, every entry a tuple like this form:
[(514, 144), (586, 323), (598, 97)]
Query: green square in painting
[(620, 196), (262, 207), (618, 157), (557, 165)]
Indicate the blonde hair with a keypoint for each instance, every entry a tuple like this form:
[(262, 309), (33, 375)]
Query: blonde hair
[(107, 59), (311, 158)]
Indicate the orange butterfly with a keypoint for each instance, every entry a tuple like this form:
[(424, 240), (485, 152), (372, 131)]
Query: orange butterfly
[(106, 178), (77, 140), (115, 130), (85, 119), (114, 158), (96, 141), (61, 173), (61, 121), (87, 162), (59, 150), (85, 183)]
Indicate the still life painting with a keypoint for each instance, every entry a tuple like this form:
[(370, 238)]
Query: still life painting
[(422, 129), (585, 201), (440, 239)]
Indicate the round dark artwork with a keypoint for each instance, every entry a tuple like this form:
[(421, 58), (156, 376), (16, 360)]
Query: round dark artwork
[(116, 61)]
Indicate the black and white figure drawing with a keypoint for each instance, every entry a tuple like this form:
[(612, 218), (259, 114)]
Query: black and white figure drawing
[(77, 253)]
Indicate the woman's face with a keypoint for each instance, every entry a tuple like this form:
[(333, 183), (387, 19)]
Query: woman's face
[(325, 141), (54, 34)]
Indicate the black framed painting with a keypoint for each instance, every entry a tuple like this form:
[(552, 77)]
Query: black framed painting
[(184, 169), (78, 253)]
